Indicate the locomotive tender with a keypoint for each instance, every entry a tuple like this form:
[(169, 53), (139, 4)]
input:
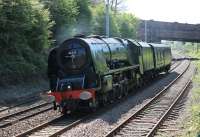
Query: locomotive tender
[(86, 72)]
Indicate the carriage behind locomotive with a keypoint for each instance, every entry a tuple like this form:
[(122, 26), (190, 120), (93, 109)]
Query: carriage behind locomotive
[(86, 72)]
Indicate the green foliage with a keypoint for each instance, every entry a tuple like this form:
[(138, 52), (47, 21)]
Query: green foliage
[(127, 25), (29, 26), (83, 19), (64, 13), (80, 16), (71, 17), (192, 125), (24, 37), (98, 21), (114, 27), (121, 24), (186, 47)]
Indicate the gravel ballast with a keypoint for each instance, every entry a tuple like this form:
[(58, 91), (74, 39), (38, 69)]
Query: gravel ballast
[(28, 124), (104, 123), (99, 125)]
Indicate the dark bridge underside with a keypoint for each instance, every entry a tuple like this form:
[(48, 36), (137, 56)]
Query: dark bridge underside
[(157, 31)]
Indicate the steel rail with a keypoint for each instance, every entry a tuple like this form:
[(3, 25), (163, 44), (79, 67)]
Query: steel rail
[(68, 127), (11, 122), (53, 121), (23, 111), (173, 68), (64, 128), (152, 132), (38, 127), (116, 129), (31, 99)]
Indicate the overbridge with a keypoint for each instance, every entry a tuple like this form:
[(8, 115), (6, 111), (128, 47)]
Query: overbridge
[(157, 31)]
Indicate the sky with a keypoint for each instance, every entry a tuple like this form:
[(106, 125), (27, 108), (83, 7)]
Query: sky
[(183, 11)]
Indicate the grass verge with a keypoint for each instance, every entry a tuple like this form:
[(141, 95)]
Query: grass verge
[(192, 123)]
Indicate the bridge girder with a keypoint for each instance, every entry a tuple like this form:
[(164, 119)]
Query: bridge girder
[(157, 31)]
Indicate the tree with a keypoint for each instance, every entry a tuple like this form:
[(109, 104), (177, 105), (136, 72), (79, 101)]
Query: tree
[(84, 17), (24, 36), (98, 21), (121, 24), (64, 13), (128, 24), (116, 5)]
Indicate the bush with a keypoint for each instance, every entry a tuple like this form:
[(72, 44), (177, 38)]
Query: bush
[(24, 37)]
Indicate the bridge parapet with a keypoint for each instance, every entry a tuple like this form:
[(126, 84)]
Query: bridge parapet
[(157, 31)]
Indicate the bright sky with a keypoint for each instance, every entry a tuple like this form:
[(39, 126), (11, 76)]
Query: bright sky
[(184, 11)]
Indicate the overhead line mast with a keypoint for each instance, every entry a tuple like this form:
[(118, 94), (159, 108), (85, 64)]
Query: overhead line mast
[(107, 19), (145, 30)]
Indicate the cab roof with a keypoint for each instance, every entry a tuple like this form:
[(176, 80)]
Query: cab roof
[(144, 44), (159, 45), (134, 42)]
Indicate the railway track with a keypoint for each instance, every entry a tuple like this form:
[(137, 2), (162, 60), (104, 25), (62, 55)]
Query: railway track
[(15, 117), (28, 100), (54, 127), (149, 117), (171, 126), (58, 125), (174, 65), (176, 62)]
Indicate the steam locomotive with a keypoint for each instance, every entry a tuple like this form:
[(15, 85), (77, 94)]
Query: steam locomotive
[(86, 72)]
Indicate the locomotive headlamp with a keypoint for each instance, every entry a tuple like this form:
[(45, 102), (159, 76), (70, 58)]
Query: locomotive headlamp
[(69, 87), (85, 95)]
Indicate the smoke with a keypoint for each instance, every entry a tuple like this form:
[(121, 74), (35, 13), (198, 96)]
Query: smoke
[(62, 33), (82, 26)]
